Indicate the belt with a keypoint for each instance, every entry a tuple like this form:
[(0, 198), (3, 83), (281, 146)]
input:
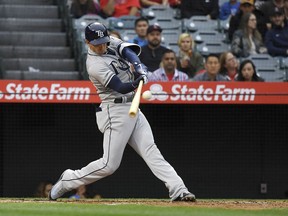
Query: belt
[(123, 100)]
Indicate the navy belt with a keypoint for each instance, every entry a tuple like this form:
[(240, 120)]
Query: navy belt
[(123, 100)]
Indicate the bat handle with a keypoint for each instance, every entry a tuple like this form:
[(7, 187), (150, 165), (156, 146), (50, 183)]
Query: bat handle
[(136, 101)]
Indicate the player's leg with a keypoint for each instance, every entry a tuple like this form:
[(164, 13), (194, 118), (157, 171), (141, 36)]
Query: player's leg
[(117, 128), (142, 141)]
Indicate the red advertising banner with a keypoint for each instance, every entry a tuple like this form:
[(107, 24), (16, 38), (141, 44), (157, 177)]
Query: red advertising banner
[(19, 91)]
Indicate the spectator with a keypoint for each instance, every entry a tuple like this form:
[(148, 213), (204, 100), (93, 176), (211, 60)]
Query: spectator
[(247, 40), (208, 8), (43, 189), (276, 39), (80, 193), (212, 68), (168, 71), (228, 65), (228, 9), (148, 3), (117, 8), (83, 7), (246, 6), (141, 24), (152, 53), (267, 9), (247, 72), (188, 60), (286, 9)]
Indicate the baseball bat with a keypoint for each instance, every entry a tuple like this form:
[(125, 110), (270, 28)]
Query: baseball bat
[(136, 101)]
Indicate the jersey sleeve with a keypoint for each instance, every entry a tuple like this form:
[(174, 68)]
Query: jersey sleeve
[(101, 72), (119, 45)]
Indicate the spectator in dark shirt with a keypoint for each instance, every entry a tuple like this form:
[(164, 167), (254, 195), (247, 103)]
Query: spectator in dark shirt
[(267, 9), (247, 72), (191, 8), (152, 53), (83, 7), (276, 39), (212, 69)]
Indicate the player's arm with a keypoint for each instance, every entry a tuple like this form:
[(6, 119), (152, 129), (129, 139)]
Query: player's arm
[(123, 88), (129, 55)]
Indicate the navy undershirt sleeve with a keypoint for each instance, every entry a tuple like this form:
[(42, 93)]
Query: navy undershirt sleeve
[(123, 88)]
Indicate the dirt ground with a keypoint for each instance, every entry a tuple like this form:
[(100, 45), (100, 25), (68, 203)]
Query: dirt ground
[(217, 203)]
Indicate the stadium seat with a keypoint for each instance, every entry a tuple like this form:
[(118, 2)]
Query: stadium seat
[(83, 21), (159, 11), (167, 23), (196, 23), (208, 36), (212, 47)]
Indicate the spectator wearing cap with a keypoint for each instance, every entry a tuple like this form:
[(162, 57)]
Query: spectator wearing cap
[(276, 39), (267, 10), (152, 53)]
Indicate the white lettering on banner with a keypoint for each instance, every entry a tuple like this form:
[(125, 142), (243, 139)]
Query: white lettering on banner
[(56, 91), (221, 92)]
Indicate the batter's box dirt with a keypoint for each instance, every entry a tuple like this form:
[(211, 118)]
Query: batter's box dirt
[(217, 203)]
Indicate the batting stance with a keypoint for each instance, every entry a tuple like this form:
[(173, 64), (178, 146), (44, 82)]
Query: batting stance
[(108, 65)]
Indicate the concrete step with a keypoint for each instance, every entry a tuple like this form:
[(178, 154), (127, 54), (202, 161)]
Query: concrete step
[(34, 64), (42, 75), (29, 11), (32, 25), (34, 52), (27, 2), (33, 38)]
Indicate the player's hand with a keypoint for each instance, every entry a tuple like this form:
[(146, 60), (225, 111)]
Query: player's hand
[(144, 78), (141, 77)]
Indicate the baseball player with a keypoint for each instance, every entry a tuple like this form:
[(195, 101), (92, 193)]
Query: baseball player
[(108, 65)]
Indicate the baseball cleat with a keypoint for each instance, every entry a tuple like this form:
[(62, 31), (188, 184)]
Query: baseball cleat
[(58, 190), (186, 197)]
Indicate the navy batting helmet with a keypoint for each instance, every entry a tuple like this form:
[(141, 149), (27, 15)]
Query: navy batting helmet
[(96, 33)]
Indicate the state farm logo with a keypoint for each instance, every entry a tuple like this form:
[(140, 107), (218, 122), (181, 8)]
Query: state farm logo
[(53, 92), (219, 93)]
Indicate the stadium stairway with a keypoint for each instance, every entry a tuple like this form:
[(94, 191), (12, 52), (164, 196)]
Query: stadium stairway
[(33, 41)]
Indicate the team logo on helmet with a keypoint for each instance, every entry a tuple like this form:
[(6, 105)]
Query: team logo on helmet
[(100, 33)]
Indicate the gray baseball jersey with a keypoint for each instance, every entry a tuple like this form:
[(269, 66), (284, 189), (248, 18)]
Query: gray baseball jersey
[(118, 128)]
